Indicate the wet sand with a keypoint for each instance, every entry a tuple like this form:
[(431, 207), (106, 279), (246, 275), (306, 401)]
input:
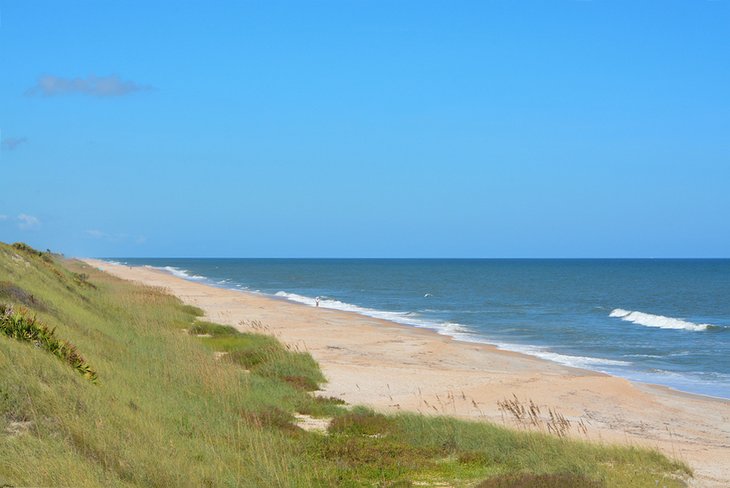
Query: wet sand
[(391, 367)]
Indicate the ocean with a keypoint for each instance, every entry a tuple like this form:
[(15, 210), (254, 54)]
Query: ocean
[(650, 320)]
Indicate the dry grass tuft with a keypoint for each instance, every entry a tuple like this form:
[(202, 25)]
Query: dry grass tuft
[(530, 415)]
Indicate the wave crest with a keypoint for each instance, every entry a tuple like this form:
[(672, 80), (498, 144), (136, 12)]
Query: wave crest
[(659, 321), (179, 272)]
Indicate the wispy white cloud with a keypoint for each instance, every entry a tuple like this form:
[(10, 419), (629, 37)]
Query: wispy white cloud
[(28, 222), (97, 86), (3, 217), (11, 143)]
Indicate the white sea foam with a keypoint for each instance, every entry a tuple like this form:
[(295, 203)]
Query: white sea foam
[(405, 318), (179, 272), (584, 362), (659, 321)]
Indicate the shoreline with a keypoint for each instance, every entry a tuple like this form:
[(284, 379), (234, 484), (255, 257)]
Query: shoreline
[(392, 367), (433, 327), (494, 348)]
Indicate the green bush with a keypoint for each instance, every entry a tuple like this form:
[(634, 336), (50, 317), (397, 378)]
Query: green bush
[(20, 325)]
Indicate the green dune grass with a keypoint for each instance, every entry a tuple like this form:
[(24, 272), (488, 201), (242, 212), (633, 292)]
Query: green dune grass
[(177, 401)]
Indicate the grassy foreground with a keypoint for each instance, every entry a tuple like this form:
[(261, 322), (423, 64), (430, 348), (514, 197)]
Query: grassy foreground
[(176, 401)]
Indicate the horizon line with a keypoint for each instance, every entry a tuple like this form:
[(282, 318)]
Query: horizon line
[(410, 258)]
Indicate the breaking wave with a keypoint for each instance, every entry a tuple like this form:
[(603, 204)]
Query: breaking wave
[(179, 272), (659, 321)]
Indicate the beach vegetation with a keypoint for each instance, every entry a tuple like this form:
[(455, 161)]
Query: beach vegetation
[(19, 324), (265, 356), (25, 248), (201, 327), (181, 401), (15, 294), (192, 310)]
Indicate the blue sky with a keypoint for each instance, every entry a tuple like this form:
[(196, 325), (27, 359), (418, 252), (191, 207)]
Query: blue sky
[(366, 129)]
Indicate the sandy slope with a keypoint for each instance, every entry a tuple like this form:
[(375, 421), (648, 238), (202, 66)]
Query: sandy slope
[(391, 367)]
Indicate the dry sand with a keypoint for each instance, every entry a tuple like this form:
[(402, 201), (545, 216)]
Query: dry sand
[(392, 367)]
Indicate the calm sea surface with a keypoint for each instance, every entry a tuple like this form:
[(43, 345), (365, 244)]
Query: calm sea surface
[(658, 321)]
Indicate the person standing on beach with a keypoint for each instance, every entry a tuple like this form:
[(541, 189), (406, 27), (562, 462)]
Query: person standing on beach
[(316, 302)]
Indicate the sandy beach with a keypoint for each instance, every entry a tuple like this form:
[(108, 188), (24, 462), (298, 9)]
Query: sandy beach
[(391, 367)]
